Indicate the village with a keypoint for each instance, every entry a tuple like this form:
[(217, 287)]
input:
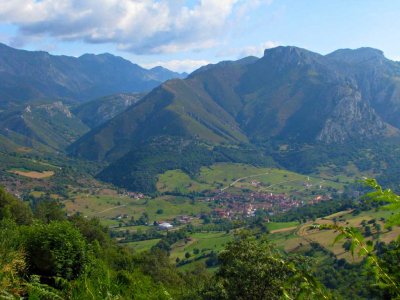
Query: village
[(236, 206), (233, 203), (231, 206)]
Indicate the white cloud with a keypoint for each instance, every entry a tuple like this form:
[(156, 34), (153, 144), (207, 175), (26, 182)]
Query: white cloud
[(186, 65), (257, 50), (254, 50), (395, 58), (138, 26)]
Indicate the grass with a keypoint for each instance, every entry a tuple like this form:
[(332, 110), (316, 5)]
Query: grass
[(107, 207), (10, 163), (135, 228), (177, 180), (205, 242), (36, 194), (239, 177), (142, 245), (273, 226)]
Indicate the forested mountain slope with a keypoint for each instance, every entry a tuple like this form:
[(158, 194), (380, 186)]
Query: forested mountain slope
[(32, 75)]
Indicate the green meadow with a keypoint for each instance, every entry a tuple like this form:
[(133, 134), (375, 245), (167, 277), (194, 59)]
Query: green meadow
[(237, 178)]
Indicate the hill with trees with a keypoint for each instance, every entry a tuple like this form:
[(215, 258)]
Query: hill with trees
[(291, 99)]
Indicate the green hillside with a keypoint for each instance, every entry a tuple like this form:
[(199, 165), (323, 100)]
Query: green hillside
[(46, 127), (235, 178), (170, 110), (139, 168)]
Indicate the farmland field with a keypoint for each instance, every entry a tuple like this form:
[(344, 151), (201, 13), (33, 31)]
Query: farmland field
[(294, 239), (275, 226), (142, 245), (33, 174), (108, 207), (204, 242), (235, 178)]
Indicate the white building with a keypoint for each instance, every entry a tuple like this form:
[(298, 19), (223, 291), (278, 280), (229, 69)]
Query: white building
[(165, 226)]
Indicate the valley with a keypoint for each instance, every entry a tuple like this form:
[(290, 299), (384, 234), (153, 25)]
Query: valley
[(179, 168), (216, 203)]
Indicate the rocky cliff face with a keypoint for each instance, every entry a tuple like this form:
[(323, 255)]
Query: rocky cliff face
[(353, 118), (98, 111)]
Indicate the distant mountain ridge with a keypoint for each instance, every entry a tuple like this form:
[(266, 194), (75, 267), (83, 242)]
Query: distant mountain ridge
[(32, 75)]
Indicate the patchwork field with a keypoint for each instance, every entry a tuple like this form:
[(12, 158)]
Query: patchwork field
[(292, 239), (115, 208), (235, 178), (108, 207)]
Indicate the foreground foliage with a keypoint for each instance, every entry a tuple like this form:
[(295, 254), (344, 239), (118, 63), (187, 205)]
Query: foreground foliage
[(45, 255), (250, 268), (384, 263)]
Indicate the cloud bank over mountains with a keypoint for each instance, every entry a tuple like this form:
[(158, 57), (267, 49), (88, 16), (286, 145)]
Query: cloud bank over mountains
[(137, 26)]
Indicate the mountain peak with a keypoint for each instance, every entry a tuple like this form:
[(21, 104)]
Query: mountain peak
[(289, 50), (357, 55), (166, 74), (291, 55), (103, 57), (158, 68)]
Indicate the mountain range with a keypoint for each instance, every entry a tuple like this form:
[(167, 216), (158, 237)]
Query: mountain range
[(47, 101), (290, 95), (37, 75), (230, 111)]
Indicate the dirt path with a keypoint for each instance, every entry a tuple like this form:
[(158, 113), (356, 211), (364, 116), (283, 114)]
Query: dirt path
[(108, 209), (284, 229), (240, 179), (294, 180)]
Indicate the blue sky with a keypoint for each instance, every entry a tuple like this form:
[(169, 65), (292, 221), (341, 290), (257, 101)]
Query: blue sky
[(183, 35)]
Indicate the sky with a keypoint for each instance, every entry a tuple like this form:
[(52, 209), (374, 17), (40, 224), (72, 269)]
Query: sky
[(183, 35)]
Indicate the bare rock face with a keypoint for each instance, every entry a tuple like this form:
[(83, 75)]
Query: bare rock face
[(99, 111), (353, 118), (56, 108)]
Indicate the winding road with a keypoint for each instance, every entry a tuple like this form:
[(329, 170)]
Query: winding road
[(240, 179)]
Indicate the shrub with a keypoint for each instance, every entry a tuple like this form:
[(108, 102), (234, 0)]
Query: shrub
[(55, 249)]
